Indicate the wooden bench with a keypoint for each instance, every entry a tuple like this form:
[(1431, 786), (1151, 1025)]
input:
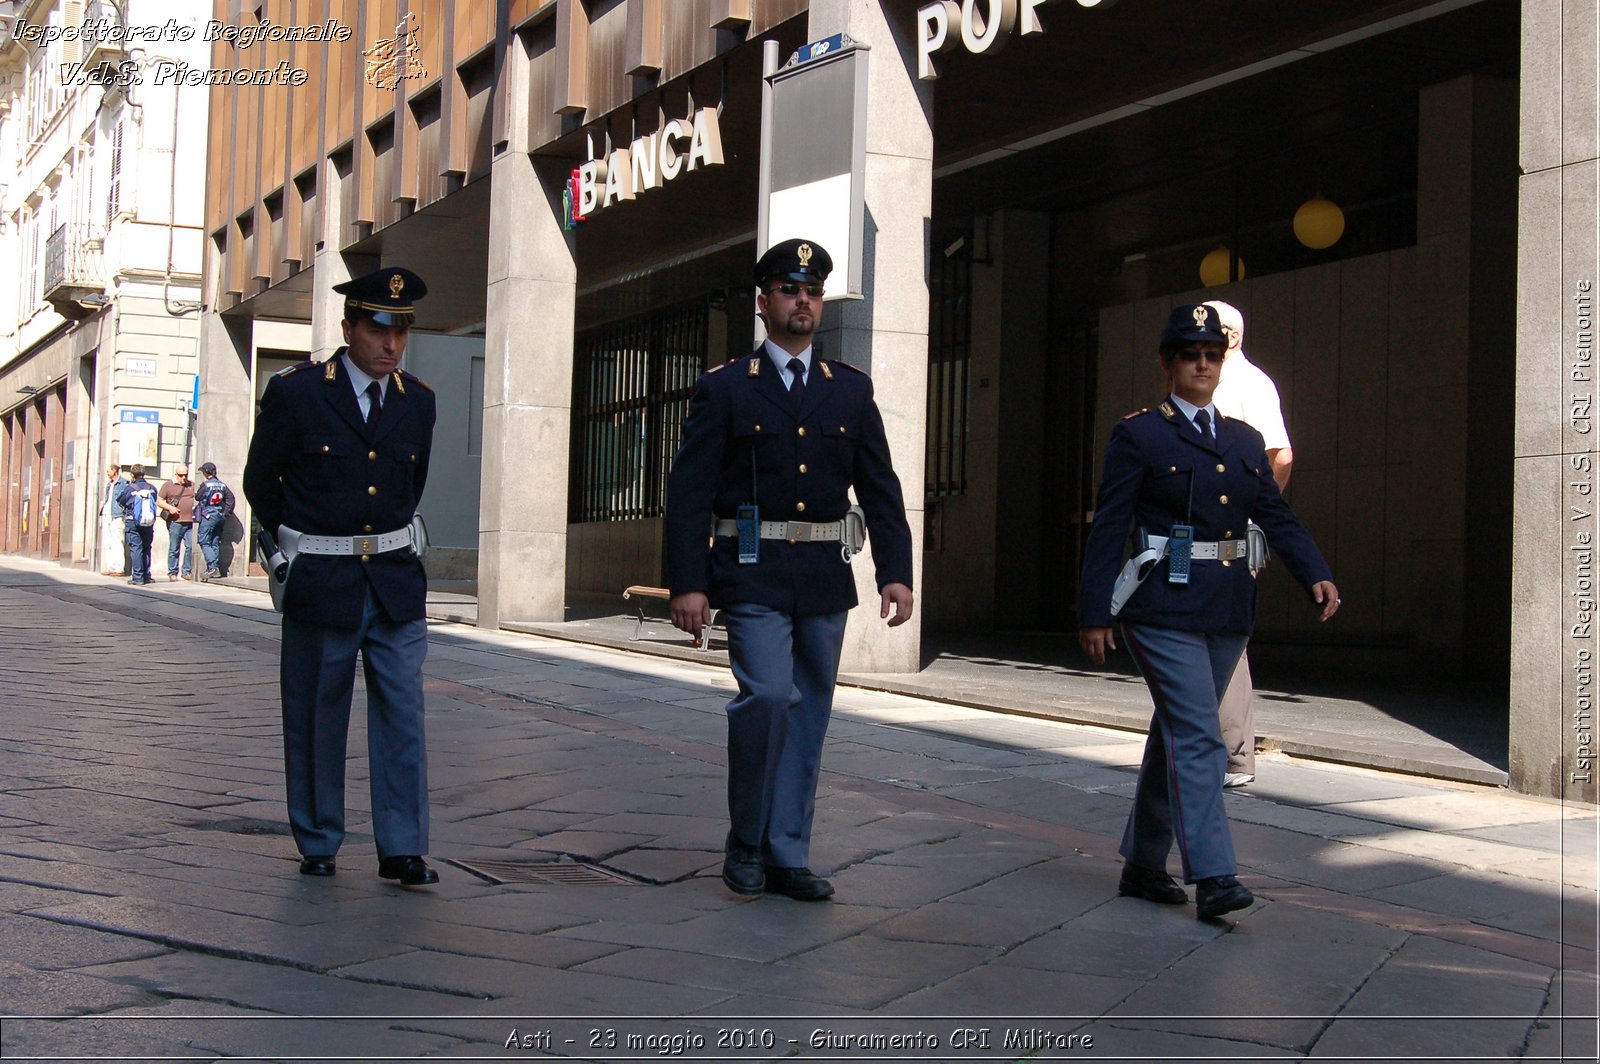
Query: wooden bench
[(646, 593)]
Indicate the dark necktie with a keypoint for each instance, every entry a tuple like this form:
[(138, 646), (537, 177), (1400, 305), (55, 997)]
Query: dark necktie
[(797, 382), (374, 400), (1202, 421)]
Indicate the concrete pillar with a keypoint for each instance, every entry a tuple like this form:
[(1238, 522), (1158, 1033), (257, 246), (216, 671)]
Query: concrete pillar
[(886, 333), (527, 396), (227, 416), (1555, 455)]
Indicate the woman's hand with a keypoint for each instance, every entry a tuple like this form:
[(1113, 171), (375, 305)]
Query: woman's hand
[(1327, 597), (1096, 641)]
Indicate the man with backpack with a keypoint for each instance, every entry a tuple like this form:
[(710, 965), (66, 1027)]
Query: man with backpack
[(213, 505), (138, 497)]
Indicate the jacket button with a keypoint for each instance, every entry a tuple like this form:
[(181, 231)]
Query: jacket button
[(1223, 500), (366, 557), (1172, 469), (802, 467), (373, 490), (1221, 468), (841, 430), (372, 456), (758, 428), (1227, 535), (324, 448), (800, 506), (802, 430), (1226, 564), (366, 528)]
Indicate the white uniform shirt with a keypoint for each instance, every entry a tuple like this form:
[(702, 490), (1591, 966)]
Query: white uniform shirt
[(1247, 393)]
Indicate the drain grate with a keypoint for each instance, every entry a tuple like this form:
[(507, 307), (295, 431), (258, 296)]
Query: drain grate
[(561, 871)]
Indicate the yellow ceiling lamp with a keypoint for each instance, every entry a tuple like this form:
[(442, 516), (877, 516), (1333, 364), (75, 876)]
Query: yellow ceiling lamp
[(1319, 223), (1214, 267)]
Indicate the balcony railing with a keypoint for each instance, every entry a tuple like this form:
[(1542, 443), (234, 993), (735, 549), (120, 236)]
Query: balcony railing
[(73, 267)]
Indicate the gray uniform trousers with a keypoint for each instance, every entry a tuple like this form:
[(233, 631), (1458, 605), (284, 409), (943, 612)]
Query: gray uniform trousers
[(317, 671)]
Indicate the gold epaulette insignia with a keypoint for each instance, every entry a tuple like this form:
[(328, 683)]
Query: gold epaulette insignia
[(826, 372), (755, 366), (330, 370), (1167, 410), (399, 381), (1136, 413)]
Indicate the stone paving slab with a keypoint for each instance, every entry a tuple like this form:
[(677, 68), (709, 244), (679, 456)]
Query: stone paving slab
[(975, 858)]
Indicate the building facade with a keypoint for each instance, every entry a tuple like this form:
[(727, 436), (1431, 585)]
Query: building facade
[(100, 254), (1042, 180)]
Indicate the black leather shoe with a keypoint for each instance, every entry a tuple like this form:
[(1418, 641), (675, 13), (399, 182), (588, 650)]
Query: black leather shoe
[(1220, 894), (1151, 885), (741, 867), (801, 884), (316, 866), (410, 871)]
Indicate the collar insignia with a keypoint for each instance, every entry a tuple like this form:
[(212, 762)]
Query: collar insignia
[(1167, 410), (826, 372), (755, 366), (330, 371), (399, 382)]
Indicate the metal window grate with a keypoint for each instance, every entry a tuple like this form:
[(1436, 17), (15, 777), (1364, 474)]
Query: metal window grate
[(631, 391)]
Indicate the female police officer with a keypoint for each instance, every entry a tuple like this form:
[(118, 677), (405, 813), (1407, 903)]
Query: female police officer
[(1187, 482)]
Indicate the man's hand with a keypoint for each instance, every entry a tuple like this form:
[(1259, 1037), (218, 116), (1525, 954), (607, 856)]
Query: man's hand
[(903, 600), (691, 612), (1095, 642)]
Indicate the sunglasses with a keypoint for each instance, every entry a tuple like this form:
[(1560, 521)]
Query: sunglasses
[(791, 289), (1195, 354)]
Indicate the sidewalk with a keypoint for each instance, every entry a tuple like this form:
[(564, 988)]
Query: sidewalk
[(154, 908)]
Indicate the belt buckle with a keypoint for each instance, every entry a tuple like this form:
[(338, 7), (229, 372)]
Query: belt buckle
[(795, 534), (366, 546)]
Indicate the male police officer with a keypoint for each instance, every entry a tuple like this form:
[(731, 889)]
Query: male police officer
[(770, 446), (336, 467)]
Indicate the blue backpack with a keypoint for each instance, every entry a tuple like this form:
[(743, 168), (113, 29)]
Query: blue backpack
[(144, 507)]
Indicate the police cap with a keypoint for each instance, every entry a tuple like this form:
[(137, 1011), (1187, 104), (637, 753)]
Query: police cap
[(794, 260), (386, 296), (1192, 323)]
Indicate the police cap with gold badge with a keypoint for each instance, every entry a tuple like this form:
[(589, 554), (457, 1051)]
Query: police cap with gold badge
[(386, 296), (1192, 323), (794, 260)]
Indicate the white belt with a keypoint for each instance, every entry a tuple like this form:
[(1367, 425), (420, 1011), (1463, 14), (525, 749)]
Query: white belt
[(792, 531), (381, 543), (1225, 550)]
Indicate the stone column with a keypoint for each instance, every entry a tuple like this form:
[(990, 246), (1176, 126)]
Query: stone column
[(886, 333), (226, 418), (527, 397), (1555, 456)]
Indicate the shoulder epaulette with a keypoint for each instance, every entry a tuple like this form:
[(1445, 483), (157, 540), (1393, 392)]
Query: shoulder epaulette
[(403, 378), (296, 368), (846, 365), (723, 366), (1136, 413)]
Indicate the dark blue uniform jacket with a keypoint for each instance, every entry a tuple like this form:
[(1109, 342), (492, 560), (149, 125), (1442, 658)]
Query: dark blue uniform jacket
[(315, 466), (1153, 459), (743, 442)]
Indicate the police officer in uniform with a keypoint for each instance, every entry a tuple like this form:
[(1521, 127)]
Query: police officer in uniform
[(1174, 473), (773, 442), (336, 466)]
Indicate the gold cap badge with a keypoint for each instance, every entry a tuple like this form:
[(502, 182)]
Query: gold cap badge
[(1201, 315), (397, 285), (803, 253)]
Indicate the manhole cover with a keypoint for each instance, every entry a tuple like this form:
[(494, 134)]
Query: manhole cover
[(550, 872)]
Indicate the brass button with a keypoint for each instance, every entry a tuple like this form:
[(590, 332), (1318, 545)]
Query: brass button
[(373, 490), (1223, 500), (1226, 564), (366, 557), (792, 542), (800, 506), (1227, 535), (366, 546), (758, 428), (366, 528), (802, 467), (372, 456), (324, 448), (1173, 469), (802, 430), (1221, 468), (841, 430)]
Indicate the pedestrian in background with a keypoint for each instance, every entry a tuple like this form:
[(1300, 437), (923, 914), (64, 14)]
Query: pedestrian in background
[(176, 500), (113, 533), (213, 506), (138, 497)]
